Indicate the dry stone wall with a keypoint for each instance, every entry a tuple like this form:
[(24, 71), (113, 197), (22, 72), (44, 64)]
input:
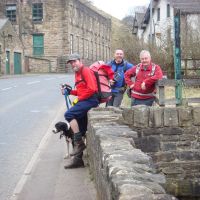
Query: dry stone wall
[(121, 170)]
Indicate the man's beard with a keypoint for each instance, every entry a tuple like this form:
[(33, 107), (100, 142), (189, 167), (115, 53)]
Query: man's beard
[(76, 68)]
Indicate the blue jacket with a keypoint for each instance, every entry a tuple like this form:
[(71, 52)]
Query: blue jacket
[(119, 70)]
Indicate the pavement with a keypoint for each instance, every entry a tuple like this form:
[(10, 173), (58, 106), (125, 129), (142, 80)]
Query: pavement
[(45, 177)]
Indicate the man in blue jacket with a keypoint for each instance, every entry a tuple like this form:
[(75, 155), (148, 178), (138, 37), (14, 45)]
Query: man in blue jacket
[(119, 66)]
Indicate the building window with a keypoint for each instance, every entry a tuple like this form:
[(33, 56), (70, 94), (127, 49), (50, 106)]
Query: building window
[(83, 48), (91, 47), (38, 44), (77, 44), (158, 14), (168, 10), (71, 44), (87, 49), (11, 12), (37, 12)]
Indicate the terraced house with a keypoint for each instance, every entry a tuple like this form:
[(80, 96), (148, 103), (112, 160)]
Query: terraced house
[(51, 30)]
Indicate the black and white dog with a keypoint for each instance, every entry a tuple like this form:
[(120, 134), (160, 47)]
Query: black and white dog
[(65, 130)]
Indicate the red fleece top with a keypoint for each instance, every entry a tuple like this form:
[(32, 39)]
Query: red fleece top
[(143, 76), (85, 84)]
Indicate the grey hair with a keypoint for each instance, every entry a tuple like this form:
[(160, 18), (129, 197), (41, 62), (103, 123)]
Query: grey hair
[(145, 52)]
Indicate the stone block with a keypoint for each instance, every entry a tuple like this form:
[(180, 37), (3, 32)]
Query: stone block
[(168, 146), (164, 197), (170, 117), (156, 117), (188, 155), (171, 131), (128, 115), (141, 116), (196, 116), (136, 192), (164, 157), (185, 116), (150, 144)]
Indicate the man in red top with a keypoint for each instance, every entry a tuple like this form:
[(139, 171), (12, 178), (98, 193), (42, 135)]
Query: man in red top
[(141, 79), (77, 115)]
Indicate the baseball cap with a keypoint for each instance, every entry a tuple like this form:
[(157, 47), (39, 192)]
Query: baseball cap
[(73, 56)]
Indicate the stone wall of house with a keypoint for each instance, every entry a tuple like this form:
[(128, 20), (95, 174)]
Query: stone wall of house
[(145, 152), (10, 42), (68, 26)]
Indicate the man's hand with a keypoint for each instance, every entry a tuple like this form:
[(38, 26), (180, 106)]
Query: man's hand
[(143, 86), (112, 82), (66, 88)]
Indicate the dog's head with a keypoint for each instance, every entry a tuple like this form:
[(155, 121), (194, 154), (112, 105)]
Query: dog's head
[(63, 128)]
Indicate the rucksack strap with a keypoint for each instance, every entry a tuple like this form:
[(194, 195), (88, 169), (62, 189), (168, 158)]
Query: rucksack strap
[(138, 69)]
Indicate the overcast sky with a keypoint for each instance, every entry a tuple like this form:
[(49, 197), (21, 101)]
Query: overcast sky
[(119, 9)]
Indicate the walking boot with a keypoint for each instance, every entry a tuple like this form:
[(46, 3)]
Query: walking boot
[(77, 162), (79, 147)]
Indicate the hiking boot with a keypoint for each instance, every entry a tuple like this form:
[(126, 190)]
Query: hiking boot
[(78, 148), (76, 163)]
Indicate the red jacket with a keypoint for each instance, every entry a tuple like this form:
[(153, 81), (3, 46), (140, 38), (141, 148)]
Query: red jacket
[(143, 76), (85, 84)]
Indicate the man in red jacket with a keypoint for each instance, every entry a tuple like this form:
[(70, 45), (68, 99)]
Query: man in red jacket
[(85, 91), (141, 79)]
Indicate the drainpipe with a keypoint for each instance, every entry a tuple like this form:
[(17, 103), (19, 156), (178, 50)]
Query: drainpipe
[(151, 22)]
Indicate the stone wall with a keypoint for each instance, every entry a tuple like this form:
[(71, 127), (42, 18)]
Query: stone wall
[(171, 137), (121, 170), (38, 65)]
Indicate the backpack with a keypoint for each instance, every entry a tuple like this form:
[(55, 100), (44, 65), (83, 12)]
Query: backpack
[(103, 73)]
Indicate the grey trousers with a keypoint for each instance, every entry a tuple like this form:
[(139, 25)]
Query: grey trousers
[(116, 99)]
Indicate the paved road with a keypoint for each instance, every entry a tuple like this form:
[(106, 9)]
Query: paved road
[(28, 105)]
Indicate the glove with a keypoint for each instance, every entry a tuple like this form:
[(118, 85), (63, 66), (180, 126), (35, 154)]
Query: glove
[(67, 88), (75, 102)]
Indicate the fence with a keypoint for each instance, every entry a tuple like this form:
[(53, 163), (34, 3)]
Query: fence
[(162, 101)]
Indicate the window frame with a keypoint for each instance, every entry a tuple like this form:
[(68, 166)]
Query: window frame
[(168, 11), (158, 14), (12, 16), (36, 46), (37, 12)]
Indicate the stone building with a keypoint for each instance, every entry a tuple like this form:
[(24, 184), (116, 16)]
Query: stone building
[(11, 49), (51, 30)]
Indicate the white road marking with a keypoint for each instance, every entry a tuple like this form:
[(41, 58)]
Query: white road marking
[(48, 79), (35, 111), (33, 82), (6, 88), (62, 77)]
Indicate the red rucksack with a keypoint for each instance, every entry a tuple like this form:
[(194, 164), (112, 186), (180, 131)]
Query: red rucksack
[(103, 74)]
